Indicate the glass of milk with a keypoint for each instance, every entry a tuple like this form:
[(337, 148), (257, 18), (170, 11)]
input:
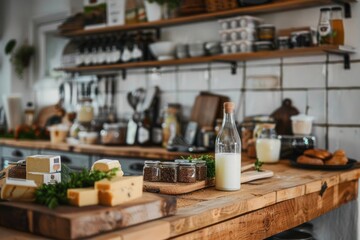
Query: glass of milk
[(268, 145)]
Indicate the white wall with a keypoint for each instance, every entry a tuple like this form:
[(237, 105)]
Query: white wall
[(307, 81)]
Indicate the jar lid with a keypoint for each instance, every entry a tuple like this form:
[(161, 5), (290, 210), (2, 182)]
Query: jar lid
[(190, 164), (283, 37), (170, 164), (324, 9), (152, 162), (198, 161), (181, 161)]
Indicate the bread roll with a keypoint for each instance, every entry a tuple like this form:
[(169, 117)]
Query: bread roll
[(309, 160), (318, 153)]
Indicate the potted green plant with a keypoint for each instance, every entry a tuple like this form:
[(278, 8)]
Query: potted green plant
[(21, 57)]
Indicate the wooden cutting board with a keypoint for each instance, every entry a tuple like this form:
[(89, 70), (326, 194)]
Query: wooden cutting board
[(66, 222), (205, 110), (181, 188)]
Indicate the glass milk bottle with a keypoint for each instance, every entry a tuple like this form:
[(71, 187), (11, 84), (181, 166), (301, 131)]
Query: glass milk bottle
[(228, 153), (268, 145)]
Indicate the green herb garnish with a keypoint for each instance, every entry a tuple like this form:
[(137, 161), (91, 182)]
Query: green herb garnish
[(258, 165), (210, 163), (53, 195)]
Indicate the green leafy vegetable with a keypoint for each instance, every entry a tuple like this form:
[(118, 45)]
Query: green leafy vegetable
[(53, 195), (10, 46), (258, 165), (210, 163)]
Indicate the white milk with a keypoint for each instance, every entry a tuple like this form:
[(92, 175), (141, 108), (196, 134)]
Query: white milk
[(268, 150), (227, 171)]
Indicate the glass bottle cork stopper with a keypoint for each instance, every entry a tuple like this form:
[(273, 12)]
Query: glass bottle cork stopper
[(229, 107)]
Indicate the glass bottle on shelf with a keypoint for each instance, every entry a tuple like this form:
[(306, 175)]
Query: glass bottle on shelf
[(337, 26), (228, 153), (268, 145), (171, 124), (144, 130), (324, 27)]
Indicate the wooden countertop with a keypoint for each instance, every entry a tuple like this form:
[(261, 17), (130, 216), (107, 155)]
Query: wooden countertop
[(119, 151), (260, 209)]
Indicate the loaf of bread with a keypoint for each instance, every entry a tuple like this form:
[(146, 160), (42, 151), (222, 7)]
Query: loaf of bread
[(339, 158), (309, 160), (318, 153)]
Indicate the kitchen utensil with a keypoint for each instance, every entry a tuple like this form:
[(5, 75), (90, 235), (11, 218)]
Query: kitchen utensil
[(181, 188), (282, 117)]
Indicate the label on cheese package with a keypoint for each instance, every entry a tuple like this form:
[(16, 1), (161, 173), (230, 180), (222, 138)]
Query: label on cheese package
[(18, 190), (43, 164), (83, 196), (119, 190), (105, 165), (44, 178)]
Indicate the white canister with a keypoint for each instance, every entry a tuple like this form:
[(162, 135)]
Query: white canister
[(302, 124)]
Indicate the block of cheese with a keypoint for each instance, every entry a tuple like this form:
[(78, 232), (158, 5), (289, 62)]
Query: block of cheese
[(119, 190), (44, 178), (15, 189), (83, 196), (105, 165), (43, 164)]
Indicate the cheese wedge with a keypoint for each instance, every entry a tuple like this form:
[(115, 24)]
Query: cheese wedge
[(119, 190), (83, 196), (44, 178), (105, 165), (43, 164), (18, 190)]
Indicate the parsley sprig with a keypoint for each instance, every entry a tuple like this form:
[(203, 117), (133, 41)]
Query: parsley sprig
[(53, 195)]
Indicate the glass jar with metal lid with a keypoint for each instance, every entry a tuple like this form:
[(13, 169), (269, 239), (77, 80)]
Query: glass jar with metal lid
[(113, 134), (187, 172), (85, 111), (151, 171), (201, 170), (168, 172)]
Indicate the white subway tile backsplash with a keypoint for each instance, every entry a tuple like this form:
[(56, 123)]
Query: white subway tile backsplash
[(46, 98), (320, 135), (193, 80), (193, 67), (301, 60), (343, 106), (165, 81), (187, 100), (345, 138), (132, 82), (263, 71), (298, 99), (223, 79), (262, 102), (123, 108), (317, 105), (262, 82), (275, 61), (167, 98), (339, 77), (304, 76)]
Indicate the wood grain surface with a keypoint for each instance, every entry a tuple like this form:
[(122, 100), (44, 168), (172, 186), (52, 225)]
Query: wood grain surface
[(67, 222)]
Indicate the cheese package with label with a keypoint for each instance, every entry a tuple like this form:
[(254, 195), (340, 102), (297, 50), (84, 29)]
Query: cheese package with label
[(105, 165), (44, 178), (119, 190), (43, 164), (18, 190), (83, 196)]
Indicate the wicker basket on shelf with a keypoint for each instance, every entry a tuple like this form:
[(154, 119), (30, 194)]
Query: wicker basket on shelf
[(190, 7), (220, 5)]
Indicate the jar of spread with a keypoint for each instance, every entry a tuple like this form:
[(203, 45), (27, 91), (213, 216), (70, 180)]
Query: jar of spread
[(85, 111), (168, 172), (151, 171), (187, 172)]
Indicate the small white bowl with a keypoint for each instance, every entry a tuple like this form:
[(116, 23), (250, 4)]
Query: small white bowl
[(163, 50)]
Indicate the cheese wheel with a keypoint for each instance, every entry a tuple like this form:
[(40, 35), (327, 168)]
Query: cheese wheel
[(105, 165)]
